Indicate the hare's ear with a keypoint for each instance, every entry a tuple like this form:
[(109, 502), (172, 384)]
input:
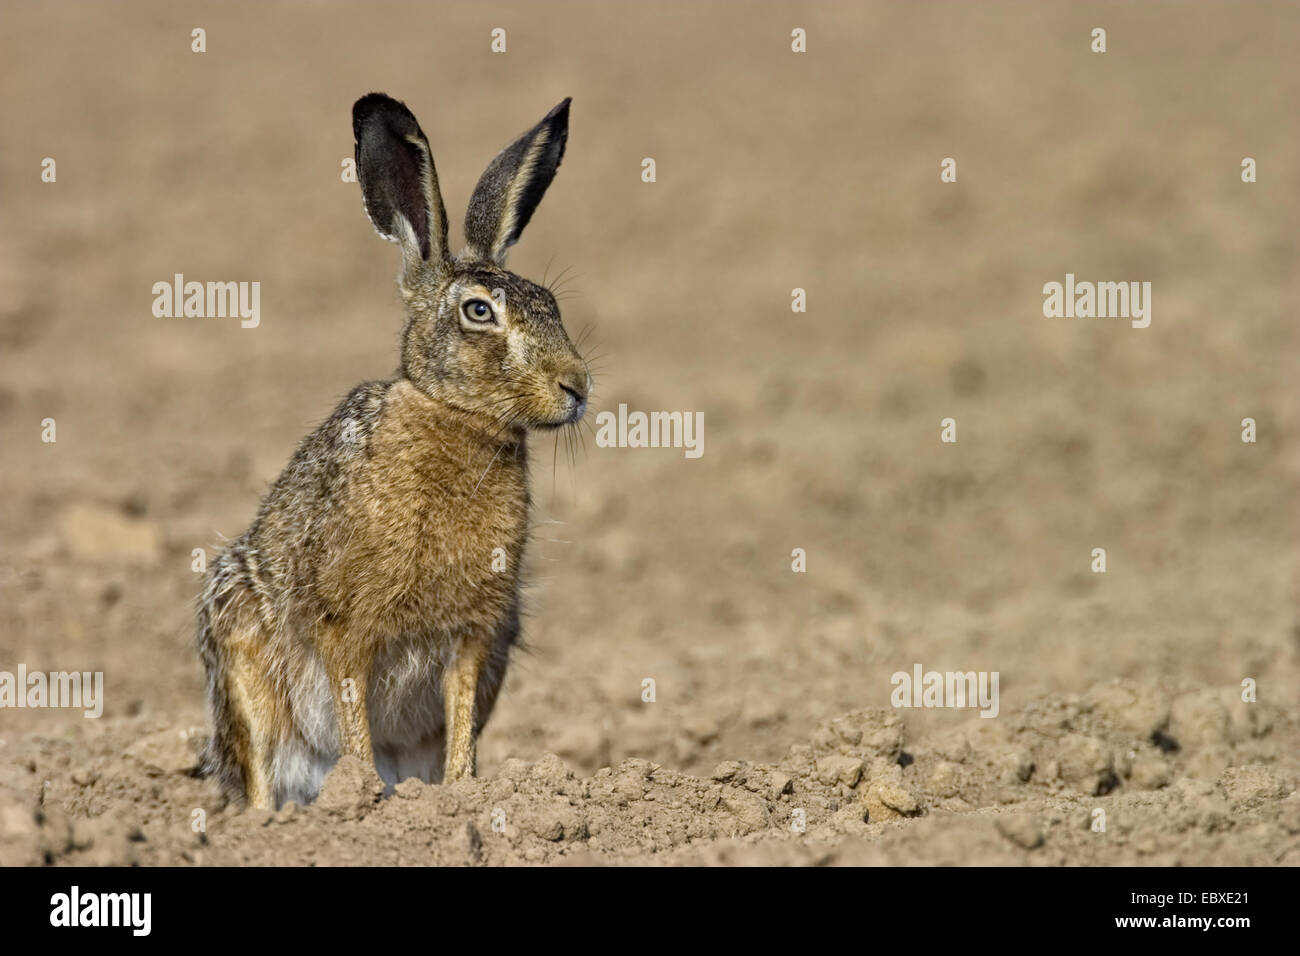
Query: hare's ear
[(513, 184), (399, 184)]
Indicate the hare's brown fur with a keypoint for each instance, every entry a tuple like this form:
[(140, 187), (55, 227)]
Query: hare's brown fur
[(371, 607)]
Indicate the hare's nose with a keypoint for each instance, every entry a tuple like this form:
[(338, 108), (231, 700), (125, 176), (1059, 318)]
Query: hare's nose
[(574, 388), (574, 384)]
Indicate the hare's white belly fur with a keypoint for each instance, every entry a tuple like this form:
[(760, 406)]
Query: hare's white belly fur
[(406, 721)]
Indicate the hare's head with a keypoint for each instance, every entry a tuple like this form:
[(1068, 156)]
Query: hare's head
[(477, 336)]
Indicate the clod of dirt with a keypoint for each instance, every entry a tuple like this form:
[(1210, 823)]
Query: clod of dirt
[(836, 768), (351, 790), (887, 796), (1141, 709), (873, 732), (729, 771), (749, 809), (409, 789), (630, 778), (550, 771)]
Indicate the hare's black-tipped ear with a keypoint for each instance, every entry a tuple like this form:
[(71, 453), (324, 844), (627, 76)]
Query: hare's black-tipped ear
[(513, 185), (399, 184)]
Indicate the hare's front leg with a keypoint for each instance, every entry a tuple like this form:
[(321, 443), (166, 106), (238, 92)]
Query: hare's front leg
[(460, 681), (348, 669)]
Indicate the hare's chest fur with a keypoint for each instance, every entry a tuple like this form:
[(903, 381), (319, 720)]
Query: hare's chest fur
[(434, 533)]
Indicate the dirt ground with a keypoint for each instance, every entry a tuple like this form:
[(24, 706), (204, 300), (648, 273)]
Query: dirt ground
[(772, 738)]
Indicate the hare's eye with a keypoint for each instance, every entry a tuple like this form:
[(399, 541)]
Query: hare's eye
[(476, 310)]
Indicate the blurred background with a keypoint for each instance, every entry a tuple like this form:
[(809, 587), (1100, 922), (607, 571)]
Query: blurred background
[(775, 171)]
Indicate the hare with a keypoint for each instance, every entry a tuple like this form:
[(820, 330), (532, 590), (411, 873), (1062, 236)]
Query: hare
[(371, 607)]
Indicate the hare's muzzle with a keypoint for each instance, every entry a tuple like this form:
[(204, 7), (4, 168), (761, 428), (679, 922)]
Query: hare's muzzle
[(574, 387)]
